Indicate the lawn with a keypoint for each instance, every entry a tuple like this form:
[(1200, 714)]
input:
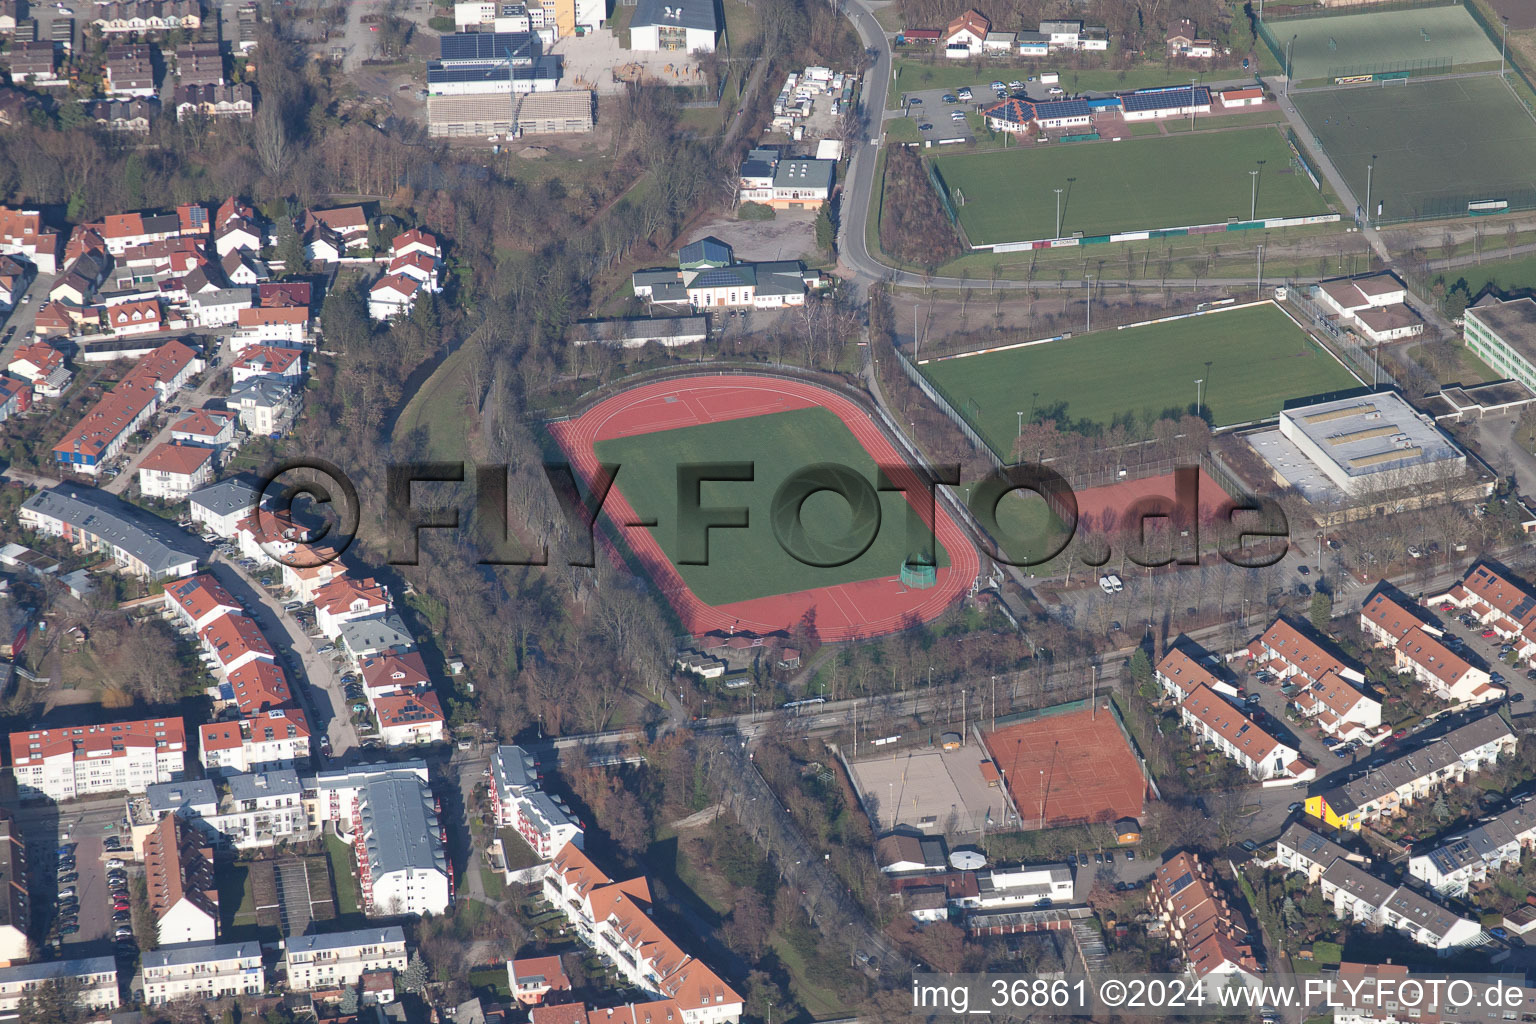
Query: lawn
[(346, 878), (1335, 45), (1505, 275), (1251, 359), (1132, 185), (1481, 144), (750, 562)]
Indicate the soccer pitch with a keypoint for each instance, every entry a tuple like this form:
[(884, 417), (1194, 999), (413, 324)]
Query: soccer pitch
[(749, 563), (1383, 41), (1479, 144), (1132, 185), (1252, 360)]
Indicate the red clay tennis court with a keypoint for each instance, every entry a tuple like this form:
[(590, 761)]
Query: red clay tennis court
[(1117, 499), (849, 611), (1079, 762)]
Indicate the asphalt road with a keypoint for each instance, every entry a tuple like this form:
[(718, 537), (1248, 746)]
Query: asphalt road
[(186, 402)]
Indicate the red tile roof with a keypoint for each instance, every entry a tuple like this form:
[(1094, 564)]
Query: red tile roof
[(177, 458), (88, 740)]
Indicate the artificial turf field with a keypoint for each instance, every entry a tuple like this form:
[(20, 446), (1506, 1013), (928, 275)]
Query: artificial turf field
[(1480, 143), (1136, 184), (1383, 41), (1252, 360), (749, 563)]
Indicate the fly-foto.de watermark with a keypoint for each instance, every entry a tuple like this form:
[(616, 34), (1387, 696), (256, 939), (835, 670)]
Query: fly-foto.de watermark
[(1155, 530)]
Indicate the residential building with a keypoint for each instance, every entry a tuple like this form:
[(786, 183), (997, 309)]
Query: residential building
[(202, 972), (1215, 721), (220, 507), (1414, 774), (966, 36), (1499, 602), (1374, 306), (207, 428), (263, 741), (15, 397), (344, 599), (199, 64), (33, 63), (517, 801), (257, 810), (42, 366), (224, 99), (183, 896), (173, 470), (1443, 672), (1183, 42), (199, 601), (402, 864), (92, 520), (268, 360), (340, 959), (1200, 922), (374, 635), (266, 405), (15, 901), (613, 919), (1386, 620), (335, 797), (95, 977), (265, 325), (129, 72), (1340, 710), (101, 433), (906, 853), (1302, 851), (22, 232), (1454, 864), (530, 979), (67, 763), (118, 17), (409, 718), (1293, 654), (394, 295), (1184, 667), (687, 26)]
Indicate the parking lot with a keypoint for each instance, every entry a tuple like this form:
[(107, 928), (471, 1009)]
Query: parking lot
[(928, 107), (69, 881)]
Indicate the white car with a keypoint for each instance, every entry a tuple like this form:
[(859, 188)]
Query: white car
[(1056, 90), (1105, 585), (965, 94), (958, 115)]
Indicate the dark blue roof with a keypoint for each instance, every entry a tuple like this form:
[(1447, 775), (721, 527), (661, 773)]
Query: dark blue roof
[(1164, 99), (1061, 108), (724, 277), (488, 46)]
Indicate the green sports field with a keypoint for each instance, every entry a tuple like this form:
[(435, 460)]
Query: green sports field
[(1384, 41), (1480, 143), (1136, 184), (749, 563), (1252, 360)]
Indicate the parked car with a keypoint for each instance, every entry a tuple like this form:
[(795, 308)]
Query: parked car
[(63, 893), (115, 863), (69, 929), (966, 94), (69, 877), (1082, 860), (1304, 570), (1487, 634), (957, 115), (951, 98), (997, 85), (1249, 845), (1293, 808)]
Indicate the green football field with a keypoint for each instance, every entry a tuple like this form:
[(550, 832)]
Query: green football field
[(1251, 359), (1333, 46), (750, 563), (1479, 144), (1136, 184)]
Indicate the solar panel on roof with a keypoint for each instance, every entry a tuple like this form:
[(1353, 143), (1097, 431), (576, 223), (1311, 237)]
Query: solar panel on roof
[(488, 45)]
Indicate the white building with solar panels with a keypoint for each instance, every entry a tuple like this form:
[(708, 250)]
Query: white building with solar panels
[(1151, 104), (1372, 443)]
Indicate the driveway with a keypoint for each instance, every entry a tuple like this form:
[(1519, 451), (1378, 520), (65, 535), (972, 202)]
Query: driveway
[(296, 650)]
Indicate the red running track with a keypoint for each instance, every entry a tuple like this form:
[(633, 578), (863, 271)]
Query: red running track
[(848, 611)]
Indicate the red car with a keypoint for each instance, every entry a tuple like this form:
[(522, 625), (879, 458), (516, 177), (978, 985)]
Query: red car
[(1487, 634)]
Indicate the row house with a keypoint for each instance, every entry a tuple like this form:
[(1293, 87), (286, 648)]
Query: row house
[(265, 740), (1301, 851), (1415, 774), (1387, 620), (93, 981), (1183, 894), (16, 275), (219, 307), (35, 64), (136, 17), (1443, 672), (1468, 858), (101, 434), (215, 100), (613, 918), (1215, 721), (1500, 603), (199, 601), (207, 428), (305, 579), (124, 114), (531, 979), (129, 72), (178, 871), (69, 763), (203, 972), (199, 64), (340, 959), (1359, 896), (1291, 654), (90, 520), (173, 470), (1183, 668), (233, 641), (518, 801), (1340, 710), (15, 397)]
